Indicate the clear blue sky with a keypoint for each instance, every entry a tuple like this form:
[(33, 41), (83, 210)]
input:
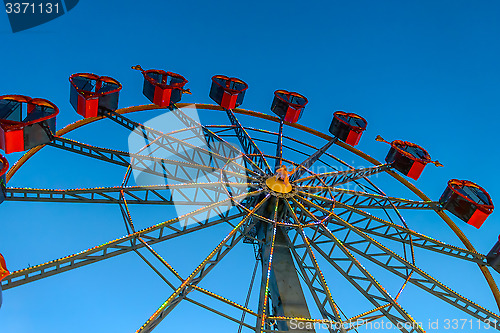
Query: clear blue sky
[(422, 71)]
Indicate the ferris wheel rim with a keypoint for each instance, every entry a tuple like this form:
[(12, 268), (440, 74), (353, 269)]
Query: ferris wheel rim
[(210, 107)]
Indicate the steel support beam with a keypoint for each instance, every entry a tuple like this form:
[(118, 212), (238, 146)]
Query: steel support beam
[(196, 220), (364, 200), (373, 225), (195, 194), (180, 148), (280, 278), (201, 271), (279, 147), (304, 166), (336, 178), (248, 145), (214, 141), (166, 168), (313, 277), (362, 244), (352, 270)]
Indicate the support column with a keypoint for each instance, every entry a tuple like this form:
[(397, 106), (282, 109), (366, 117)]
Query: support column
[(285, 291)]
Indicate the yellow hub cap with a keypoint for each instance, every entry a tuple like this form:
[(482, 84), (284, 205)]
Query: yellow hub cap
[(278, 185)]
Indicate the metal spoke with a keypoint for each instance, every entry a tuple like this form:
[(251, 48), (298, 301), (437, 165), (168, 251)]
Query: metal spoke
[(199, 219), (201, 271), (357, 241), (313, 277), (249, 294), (267, 262), (299, 151), (364, 200), (245, 309), (240, 322), (222, 314), (195, 287), (215, 142), (103, 154), (336, 178), (371, 224), (166, 168), (303, 215), (180, 148), (304, 166), (351, 269), (279, 147), (212, 192), (248, 145)]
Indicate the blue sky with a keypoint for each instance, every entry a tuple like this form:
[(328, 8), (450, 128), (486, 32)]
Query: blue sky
[(425, 71)]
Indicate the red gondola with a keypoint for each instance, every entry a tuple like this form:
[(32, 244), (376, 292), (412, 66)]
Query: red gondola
[(288, 105), (468, 201), (408, 158), (227, 92), (162, 88), (3, 274), (89, 92), (348, 127), (25, 122)]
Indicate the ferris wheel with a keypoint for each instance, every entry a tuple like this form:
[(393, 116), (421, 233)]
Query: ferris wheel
[(302, 210)]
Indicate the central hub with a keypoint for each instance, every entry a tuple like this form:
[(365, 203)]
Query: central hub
[(280, 182), (278, 185)]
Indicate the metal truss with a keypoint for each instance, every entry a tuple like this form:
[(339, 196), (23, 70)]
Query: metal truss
[(108, 155), (365, 246), (179, 148), (318, 217), (279, 146), (315, 280), (300, 212), (364, 200), (195, 194), (267, 262), (199, 219), (370, 186), (373, 225), (248, 145), (332, 179), (225, 128), (222, 157), (202, 270), (304, 166), (294, 149), (214, 141), (195, 288), (353, 271), (172, 169)]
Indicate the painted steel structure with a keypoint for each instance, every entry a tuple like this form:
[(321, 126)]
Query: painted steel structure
[(318, 218)]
